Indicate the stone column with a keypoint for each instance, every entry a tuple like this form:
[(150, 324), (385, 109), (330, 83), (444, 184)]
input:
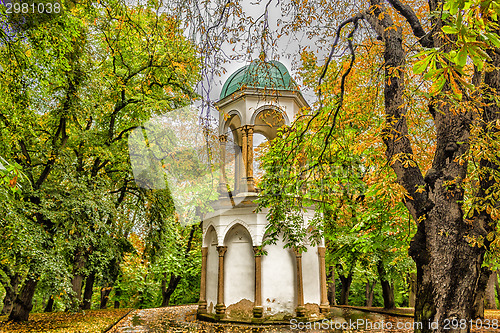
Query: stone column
[(257, 307), (202, 304), (324, 306), (222, 189), (249, 174), (300, 310), (220, 308), (244, 153)]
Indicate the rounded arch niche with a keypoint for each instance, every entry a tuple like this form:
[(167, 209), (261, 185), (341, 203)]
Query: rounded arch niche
[(239, 266)]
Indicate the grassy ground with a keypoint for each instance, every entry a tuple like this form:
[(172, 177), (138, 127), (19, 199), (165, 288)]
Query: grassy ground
[(92, 321)]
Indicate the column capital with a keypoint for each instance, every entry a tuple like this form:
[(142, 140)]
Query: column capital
[(298, 252), (223, 138), (248, 129), (222, 250), (204, 251), (257, 250)]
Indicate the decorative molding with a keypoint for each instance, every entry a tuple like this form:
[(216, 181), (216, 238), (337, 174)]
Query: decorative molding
[(244, 225), (269, 107), (225, 124), (205, 233)]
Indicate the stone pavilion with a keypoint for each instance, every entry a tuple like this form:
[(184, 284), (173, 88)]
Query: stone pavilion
[(236, 279)]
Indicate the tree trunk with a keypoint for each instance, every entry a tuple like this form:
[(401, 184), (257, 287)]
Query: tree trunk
[(10, 292), (387, 287), (88, 292), (105, 291), (23, 303), (50, 304), (166, 292), (346, 286), (413, 289), (332, 297), (490, 299), (78, 277), (369, 292), (118, 293), (448, 267), (479, 300)]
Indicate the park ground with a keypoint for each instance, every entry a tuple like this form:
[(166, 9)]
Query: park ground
[(183, 319)]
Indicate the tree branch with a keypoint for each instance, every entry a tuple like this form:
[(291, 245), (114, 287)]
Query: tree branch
[(399, 151), (425, 39)]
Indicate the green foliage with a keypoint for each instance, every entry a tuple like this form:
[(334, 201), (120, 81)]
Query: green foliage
[(469, 33), (71, 89)]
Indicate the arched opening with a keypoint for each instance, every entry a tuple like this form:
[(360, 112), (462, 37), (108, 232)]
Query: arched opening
[(260, 144), (239, 266), (269, 120), (234, 160)]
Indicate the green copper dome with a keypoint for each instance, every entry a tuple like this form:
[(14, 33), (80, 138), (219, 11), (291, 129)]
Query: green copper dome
[(271, 75)]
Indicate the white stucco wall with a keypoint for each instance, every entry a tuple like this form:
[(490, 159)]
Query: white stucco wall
[(278, 280), (239, 266), (311, 278), (239, 229)]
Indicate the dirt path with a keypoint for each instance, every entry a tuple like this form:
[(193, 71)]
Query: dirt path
[(180, 319)]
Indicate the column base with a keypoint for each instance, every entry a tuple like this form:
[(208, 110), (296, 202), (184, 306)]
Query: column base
[(258, 320), (250, 185), (300, 311), (258, 312), (324, 308), (220, 311), (222, 189), (202, 307)]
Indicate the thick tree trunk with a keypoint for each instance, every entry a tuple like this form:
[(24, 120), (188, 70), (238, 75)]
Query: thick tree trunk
[(346, 286), (88, 292), (490, 301), (10, 292), (370, 286), (49, 307), (105, 291), (23, 303), (448, 267), (387, 287), (332, 297)]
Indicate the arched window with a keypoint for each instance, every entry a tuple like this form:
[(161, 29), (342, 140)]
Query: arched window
[(233, 157)]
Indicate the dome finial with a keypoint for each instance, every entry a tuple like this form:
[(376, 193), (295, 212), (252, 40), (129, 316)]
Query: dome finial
[(262, 56)]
